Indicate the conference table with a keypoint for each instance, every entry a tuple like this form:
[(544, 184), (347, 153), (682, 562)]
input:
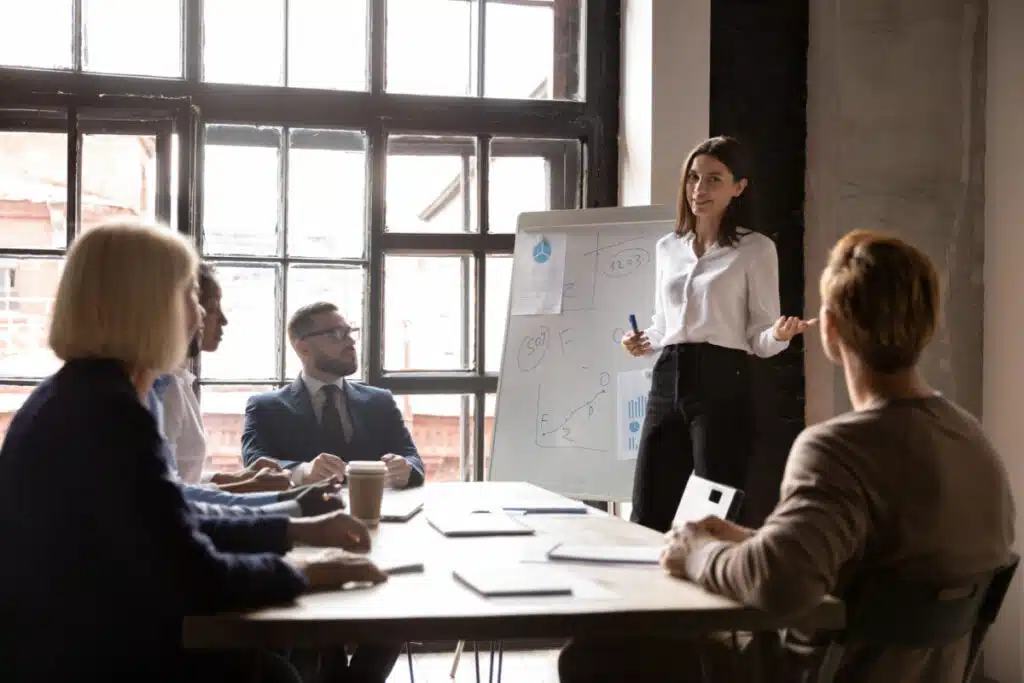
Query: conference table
[(433, 605)]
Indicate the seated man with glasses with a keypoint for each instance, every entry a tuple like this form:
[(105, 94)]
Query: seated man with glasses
[(321, 421)]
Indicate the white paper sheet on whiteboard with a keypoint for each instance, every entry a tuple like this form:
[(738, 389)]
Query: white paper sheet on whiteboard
[(631, 406), (538, 269)]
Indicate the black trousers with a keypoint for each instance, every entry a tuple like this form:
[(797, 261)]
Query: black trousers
[(700, 419)]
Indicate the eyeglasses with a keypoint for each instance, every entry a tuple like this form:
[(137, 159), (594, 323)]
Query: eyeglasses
[(337, 334)]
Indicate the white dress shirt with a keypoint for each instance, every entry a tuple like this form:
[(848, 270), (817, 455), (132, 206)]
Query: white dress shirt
[(318, 398), (728, 297), (183, 426)]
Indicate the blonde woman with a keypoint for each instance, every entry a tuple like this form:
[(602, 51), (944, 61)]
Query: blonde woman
[(905, 486), (102, 556)]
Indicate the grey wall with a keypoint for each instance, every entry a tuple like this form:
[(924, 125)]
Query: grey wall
[(896, 141)]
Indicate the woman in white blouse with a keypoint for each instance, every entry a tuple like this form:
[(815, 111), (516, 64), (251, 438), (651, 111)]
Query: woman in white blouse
[(183, 419), (716, 302)]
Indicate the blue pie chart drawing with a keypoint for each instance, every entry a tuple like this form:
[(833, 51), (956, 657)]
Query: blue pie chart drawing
[(542, 250)]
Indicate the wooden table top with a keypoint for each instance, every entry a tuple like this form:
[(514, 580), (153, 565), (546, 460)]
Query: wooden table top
[(433, 605)]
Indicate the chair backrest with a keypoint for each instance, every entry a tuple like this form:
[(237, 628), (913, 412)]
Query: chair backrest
[(703, 497), (920, 614), (990, 607)]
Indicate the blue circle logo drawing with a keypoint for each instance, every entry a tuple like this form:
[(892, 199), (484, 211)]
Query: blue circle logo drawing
[(634, 427), (542, 250)]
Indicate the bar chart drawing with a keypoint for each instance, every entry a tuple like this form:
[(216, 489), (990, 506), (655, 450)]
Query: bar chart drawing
[(631, 389)]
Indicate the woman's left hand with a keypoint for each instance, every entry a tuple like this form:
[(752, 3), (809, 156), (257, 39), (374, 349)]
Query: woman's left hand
[(785, 328)]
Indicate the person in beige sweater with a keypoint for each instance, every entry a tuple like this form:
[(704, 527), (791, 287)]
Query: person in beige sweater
[(906, 484)]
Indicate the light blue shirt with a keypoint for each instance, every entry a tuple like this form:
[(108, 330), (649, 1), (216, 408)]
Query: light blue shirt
[(192, 492)]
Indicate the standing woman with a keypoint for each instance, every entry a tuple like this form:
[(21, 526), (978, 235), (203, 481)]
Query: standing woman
[(716, 301)]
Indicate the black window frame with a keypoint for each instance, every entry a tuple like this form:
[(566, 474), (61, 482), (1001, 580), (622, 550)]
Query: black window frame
[(50, 100)]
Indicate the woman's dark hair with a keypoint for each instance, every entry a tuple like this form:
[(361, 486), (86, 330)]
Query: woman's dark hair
[(207, 283), (739, 213)]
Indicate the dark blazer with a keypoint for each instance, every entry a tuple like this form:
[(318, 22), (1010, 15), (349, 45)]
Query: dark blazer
[(101, 556), (282, 425)]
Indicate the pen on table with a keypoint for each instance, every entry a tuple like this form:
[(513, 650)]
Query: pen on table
[(632, 323)]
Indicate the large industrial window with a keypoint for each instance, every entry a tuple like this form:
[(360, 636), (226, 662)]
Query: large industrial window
[(373, 153)]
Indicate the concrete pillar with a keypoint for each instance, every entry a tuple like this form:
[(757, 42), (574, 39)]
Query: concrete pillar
[(1004, 308), (896, 138)]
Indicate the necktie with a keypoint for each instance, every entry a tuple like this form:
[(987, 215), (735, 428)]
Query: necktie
[(330, 422)]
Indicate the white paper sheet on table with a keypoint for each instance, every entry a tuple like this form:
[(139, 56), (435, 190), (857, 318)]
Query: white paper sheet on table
[(631, 405), (538, 273)]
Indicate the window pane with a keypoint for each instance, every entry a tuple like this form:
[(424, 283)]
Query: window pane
[(327, 44), (549, 69), (530, 175), (345, 287), (243, 41), (240, 198), (174, 184), (223, 412), (11, 400), (428, 312), (132, 37), (440, 426), (499, 280), (118, 178), (430, 184), (471, 474), (490, 401), (326, 195), (430, 47), (251, 339), (33, 189), (36, 33), (27, 288)]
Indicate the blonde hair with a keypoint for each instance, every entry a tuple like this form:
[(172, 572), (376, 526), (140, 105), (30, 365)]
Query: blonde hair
[(884, 296), (121, 296)]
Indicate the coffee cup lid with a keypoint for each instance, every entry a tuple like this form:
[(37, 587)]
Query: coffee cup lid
[(366, 467)]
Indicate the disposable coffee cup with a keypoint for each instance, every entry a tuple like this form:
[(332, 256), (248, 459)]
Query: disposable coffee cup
[(366, 481)]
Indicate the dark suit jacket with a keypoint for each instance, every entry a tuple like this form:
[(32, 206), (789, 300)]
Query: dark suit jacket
[(282, 425), (101, 556)]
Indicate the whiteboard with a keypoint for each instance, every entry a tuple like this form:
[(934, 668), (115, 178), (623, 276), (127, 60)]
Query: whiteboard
[(558, 420)]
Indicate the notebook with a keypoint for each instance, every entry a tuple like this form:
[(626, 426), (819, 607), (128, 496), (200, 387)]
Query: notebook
[(625, 554), (703, 498), (566, 508), (399, 508), (514, 579), (463, 524)]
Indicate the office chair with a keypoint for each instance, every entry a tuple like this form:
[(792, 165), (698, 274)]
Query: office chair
[(921, 614)]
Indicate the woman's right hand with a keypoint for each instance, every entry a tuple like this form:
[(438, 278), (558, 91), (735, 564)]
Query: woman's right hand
[(636, 344), (333, 569)]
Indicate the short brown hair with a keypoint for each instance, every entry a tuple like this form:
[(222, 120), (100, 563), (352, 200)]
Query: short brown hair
[(884, 295), (121, 294), (301, 322)]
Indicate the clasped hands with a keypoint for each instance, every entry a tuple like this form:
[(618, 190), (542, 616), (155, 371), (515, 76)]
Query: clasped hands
[(262, 475), (682, 541), (327, 465)]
